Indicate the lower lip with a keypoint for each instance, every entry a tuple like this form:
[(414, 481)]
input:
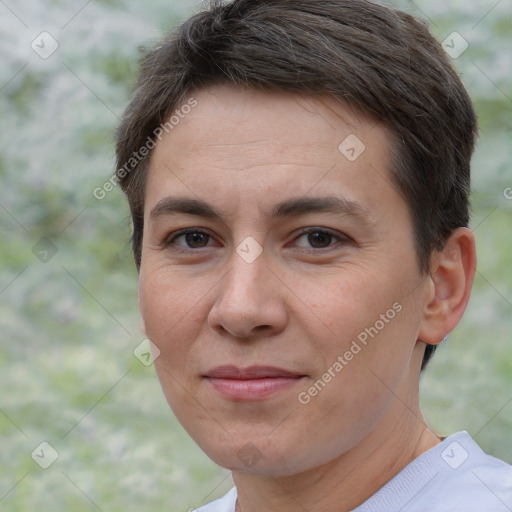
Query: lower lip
[(252, 389)]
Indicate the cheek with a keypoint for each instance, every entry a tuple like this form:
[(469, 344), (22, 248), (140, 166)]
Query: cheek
[(370, 320), (169, 306), (346, 301)]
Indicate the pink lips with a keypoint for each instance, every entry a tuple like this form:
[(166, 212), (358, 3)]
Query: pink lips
[(252, 383)]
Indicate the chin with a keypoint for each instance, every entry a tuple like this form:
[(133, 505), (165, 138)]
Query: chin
[(259, 455)]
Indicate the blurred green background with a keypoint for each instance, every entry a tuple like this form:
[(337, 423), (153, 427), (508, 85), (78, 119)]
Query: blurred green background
[(69, 319)]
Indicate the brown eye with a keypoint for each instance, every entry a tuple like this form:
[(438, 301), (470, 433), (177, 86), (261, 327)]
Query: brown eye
[(319, 239), (189, 239), (197, 239), (316, 238)]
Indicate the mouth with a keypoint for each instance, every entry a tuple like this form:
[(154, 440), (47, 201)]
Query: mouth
[(252, 383)]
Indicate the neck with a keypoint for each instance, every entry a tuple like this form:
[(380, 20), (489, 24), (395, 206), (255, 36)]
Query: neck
[(348, 480)]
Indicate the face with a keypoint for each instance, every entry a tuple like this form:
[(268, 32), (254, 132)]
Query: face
[(279, 279)]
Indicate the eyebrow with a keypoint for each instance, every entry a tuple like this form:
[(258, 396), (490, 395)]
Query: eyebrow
[(287, 208)]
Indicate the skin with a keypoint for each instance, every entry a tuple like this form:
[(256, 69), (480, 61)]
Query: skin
[(299, 305)]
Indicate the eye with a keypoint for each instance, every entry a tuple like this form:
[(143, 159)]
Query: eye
[(319, 238), (190, 238)]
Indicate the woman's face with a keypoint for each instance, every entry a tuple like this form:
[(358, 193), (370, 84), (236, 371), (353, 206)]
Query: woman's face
[(287, 315)]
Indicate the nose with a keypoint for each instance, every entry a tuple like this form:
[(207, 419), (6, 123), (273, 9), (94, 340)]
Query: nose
[(250, 301)]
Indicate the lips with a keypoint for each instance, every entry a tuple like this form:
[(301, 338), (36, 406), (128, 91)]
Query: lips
[(252, 372), (252, 383)]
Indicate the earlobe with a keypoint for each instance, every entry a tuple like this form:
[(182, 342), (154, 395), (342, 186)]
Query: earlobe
[(451, 281)]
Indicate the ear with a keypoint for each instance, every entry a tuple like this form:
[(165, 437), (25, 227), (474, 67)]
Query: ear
[(450, 280)]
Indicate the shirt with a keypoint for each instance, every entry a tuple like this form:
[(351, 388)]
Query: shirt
[(454, 476)]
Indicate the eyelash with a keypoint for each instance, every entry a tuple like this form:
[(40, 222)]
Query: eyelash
[(170, 240)]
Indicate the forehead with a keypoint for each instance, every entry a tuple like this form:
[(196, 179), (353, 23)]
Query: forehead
[(249, 142), (249, 116)]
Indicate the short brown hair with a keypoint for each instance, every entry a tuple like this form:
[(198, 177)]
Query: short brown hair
[(382, 61)]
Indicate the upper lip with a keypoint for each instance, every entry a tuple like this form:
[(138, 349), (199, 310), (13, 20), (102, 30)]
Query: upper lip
[(251, 372)]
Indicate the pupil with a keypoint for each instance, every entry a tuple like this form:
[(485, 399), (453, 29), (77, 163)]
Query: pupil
[(319, 239), (196, 239)]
